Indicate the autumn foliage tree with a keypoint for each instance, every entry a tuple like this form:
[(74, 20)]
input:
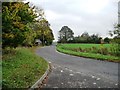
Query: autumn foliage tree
[(47, 35), (19, 22), (16, 17)]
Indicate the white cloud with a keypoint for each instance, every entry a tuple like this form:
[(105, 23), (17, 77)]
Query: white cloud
[(94, 6), (52, 15), (93, 16)]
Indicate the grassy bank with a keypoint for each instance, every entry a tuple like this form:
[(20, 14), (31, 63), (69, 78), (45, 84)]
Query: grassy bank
[(21, 68), (95, 51)]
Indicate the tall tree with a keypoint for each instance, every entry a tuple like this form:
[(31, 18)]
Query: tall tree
[(85, 37), (47, 35), (43, 31), (16, 17), (22, 24), (65, 34)]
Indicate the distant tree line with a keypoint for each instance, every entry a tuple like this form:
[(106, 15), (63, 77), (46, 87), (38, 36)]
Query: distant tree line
[(66, 35), (22, 24)]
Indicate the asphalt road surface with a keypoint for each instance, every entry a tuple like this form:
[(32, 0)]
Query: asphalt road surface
[(76, 72)]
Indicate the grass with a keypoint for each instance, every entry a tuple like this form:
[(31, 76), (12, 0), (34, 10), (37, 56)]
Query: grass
[(85, 46), (95, 51), (21, 68)]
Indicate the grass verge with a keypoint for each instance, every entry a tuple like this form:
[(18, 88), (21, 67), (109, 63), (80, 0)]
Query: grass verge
[(89, 55), (21, 68)]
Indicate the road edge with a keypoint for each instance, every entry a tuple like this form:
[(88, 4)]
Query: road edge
[(38, 84)]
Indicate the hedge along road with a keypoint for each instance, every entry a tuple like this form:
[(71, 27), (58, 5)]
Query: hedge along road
[(77, 72)]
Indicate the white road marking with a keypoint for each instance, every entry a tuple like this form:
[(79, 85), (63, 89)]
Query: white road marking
[(93, 76), (78, 72), (94, 83), (98, 78), (61, 71), (66, 68), (61, 83), (71, 74)]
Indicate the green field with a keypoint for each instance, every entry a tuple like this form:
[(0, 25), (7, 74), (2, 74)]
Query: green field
[(96, 51), (85, 46), (21, 68)]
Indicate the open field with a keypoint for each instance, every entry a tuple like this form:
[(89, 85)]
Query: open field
[(86, 45), (97, 51), (21, 68)]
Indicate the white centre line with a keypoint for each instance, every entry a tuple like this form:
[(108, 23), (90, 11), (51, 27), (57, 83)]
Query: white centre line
[(61, 71)]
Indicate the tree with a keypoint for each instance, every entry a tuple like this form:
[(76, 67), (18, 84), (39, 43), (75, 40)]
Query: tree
[(47, 35), (116, 39), (65, 34), (43, 31), (85, 37), (22, 24), (106, 40), (16, 17), (116, 31), (95, 38)]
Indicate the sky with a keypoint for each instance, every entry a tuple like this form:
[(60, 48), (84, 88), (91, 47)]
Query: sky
[(92, 16)]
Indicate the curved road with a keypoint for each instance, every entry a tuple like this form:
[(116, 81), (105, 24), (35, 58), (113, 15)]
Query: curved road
[(77, 72)]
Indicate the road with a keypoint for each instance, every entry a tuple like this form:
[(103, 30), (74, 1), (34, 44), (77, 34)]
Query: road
[(76, 72)]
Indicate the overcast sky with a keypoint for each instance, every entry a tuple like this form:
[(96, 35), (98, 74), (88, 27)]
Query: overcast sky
[(92, 16)]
